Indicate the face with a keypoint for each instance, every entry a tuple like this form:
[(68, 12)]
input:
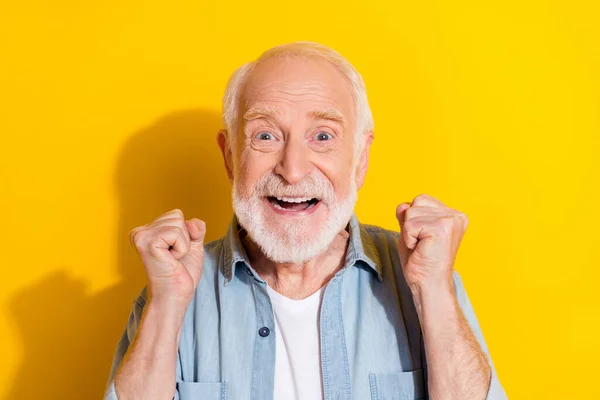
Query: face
[(293, 166)]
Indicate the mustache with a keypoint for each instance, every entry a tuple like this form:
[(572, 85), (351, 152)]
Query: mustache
[(315, 185)]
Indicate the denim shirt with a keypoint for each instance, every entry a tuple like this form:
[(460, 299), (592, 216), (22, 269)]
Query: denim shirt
[(370, 337)]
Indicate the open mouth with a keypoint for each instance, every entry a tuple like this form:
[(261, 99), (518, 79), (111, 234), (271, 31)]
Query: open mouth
[(293, 203)]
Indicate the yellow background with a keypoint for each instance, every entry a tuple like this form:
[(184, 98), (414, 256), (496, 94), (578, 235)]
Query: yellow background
[(108, 117)]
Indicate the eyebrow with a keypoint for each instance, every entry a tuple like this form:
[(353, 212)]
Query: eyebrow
[(330, 114), (260, 112)]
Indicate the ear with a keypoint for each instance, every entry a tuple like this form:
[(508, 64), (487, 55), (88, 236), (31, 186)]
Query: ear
[(363, 159), (224, 143)]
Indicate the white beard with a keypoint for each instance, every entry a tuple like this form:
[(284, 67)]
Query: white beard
[(297, 242)]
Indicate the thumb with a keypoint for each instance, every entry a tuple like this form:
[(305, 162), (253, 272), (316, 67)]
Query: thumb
[(193, 260), (197, 230)]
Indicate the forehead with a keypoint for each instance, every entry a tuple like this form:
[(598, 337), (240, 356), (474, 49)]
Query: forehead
[(298, 82)]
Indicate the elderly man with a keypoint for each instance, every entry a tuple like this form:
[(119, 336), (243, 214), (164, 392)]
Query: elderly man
[(299, 300)]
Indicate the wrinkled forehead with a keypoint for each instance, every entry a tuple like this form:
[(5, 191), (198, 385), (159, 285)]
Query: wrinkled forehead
[(299, 82)]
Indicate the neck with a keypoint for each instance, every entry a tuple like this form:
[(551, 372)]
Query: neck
[(299, 280)]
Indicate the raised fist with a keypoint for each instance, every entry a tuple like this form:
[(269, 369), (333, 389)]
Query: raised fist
[(172, 250)]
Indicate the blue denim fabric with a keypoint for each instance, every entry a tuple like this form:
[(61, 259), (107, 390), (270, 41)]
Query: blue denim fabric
[(371, 342)]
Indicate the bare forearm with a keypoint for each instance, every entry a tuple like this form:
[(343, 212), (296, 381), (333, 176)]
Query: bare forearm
[(148, 368), (457, 366)]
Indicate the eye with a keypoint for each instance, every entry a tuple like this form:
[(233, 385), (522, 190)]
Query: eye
[(323, 136), (265, 136)]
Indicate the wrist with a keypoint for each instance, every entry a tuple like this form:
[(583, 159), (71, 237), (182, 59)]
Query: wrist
[(169, 298), (433, 286), (171, 309), (434, 297)]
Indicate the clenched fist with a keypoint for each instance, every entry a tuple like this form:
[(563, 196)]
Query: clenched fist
[(172, 250), (430, 237)]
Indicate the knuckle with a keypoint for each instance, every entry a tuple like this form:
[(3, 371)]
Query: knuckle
[(420, 197), (138, 237), (173, 229), (445, 224), (181, 233), (134, 234), (177, 212)]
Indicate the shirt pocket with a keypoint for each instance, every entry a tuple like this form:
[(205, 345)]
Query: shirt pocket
[(397, 386), (202, 390)]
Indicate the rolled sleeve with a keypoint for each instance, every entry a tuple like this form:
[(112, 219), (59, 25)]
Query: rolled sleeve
[(496, 391)]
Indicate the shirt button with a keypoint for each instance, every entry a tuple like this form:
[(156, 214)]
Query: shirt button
[(264, 331)]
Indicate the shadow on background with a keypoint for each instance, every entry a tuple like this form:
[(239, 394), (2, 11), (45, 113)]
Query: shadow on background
[(70, 336)]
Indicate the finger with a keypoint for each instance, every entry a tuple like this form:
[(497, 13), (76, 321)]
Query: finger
[(415, 230), (174, 221), (410, 237), (427, 200), (424, 211), (169, 240), (174, 213), (401, 212), (403, 251), (133, 234)]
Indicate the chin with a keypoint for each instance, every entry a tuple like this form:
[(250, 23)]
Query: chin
[(293, 233), (285, 238), (286, 247)]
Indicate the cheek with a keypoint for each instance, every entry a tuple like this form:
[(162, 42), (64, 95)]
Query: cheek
[(252, 167), (340, 176), (344, 186)]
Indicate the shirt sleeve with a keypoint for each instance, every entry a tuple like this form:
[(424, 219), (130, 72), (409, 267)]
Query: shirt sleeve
[(495, 392), (135, 317)]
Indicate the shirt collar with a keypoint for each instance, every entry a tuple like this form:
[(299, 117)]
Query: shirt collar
[(360, 248)]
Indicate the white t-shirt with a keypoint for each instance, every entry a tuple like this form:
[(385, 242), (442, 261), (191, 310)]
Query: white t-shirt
[(298, 351)]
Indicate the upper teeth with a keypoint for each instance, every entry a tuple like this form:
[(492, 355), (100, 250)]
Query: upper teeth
[(294, 199)]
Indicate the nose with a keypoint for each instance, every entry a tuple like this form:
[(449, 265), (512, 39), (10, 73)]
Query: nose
[(294, 163)]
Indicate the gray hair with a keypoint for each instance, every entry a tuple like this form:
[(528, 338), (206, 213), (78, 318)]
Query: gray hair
[(231, 98)]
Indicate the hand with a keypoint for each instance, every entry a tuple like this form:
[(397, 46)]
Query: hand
[(430, 237), (172, 250)]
